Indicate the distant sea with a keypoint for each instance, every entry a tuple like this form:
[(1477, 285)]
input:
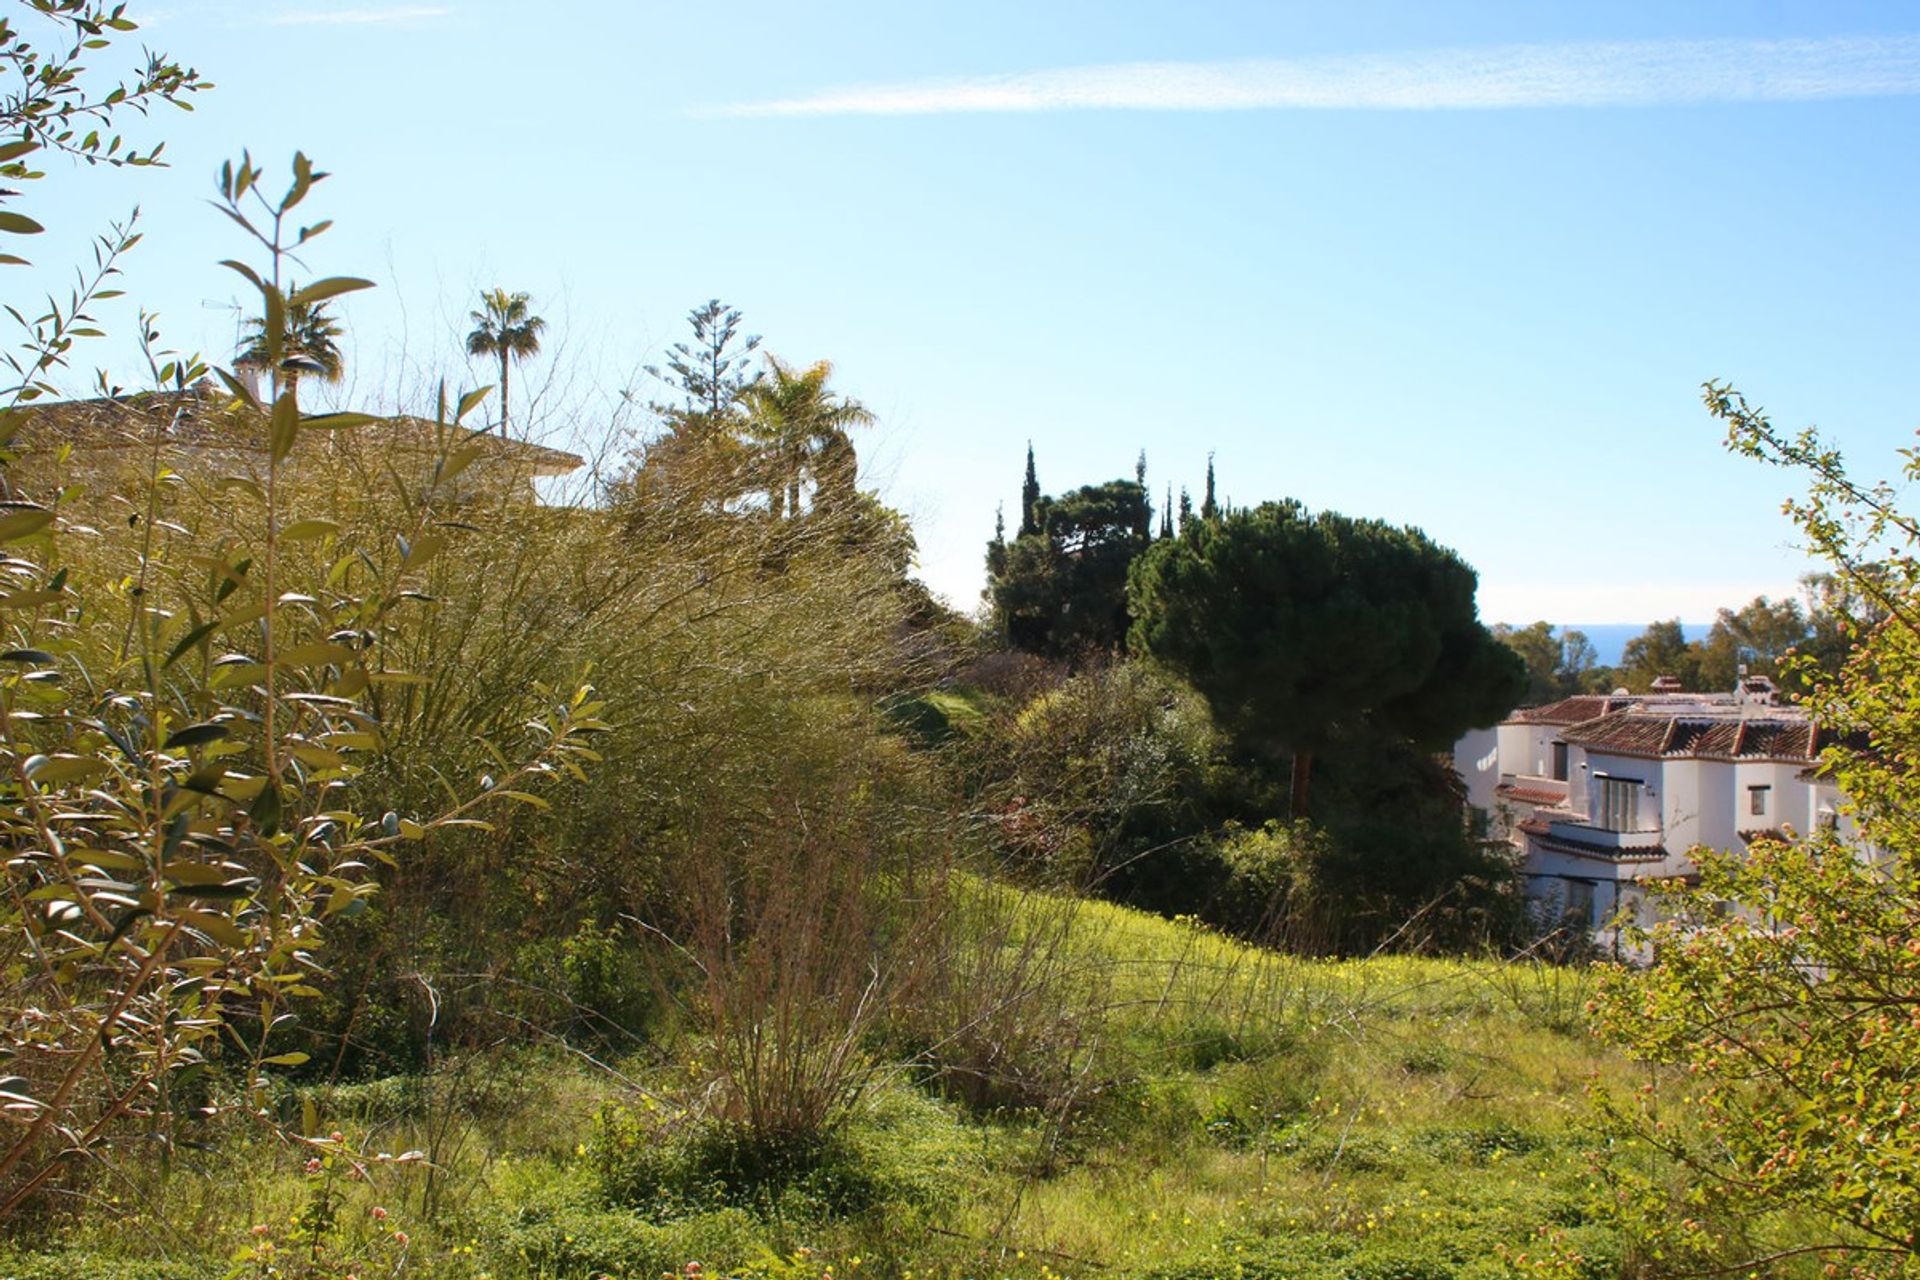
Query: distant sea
[(1609, 638)]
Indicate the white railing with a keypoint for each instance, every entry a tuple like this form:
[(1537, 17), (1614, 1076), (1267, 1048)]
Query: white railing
[(1588, 834)]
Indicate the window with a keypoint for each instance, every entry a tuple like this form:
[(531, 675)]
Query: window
[(1580, 900), (1757, 801), (1560, 762), (1619, 808)]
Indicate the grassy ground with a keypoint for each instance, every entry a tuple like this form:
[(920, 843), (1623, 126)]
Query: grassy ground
[(1213, 1111)]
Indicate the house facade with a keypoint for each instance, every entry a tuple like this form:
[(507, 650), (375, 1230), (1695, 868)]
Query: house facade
[(1598, 794)]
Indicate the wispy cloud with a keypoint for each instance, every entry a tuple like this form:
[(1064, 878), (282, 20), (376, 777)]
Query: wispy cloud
[(364, 17), (1621, 73)]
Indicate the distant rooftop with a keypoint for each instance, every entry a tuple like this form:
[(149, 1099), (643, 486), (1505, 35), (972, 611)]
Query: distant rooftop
[(197, 419), (1745, 724), (1718, 733)]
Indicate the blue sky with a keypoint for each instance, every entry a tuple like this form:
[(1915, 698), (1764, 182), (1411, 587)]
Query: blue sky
[(1490, 320)]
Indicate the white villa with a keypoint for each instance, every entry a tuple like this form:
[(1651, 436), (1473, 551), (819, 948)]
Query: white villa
[(1596, 793)]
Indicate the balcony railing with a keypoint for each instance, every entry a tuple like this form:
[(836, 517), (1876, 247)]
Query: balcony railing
[(1624, 840)]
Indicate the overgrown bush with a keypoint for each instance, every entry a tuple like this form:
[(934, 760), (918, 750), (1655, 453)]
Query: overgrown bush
[(900, 1150), (189, 709), (1102, 782), (1004, 1016), (1781, 1015)]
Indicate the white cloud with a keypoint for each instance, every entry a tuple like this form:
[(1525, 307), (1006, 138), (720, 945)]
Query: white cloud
[(359, 17), (1622, 73)]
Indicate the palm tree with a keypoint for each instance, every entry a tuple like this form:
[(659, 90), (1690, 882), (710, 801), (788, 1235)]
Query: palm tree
[(505, 327), (309, 346), (802, 428)]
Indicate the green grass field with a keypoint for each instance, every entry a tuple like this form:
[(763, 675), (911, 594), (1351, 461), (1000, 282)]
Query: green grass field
[(1212, 1110)]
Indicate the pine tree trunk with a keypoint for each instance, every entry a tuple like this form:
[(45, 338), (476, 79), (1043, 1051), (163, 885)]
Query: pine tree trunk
[(1302, 776)]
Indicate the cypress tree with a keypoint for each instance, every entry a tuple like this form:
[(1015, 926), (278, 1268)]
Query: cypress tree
[(1209, 509), (1166, 515), (1030, 498), (1186, 509)]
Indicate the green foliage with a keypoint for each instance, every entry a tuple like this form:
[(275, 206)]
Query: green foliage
[(1764, 637), (189, 710), (1030, 497), (607, 985), (1107, 779), (711, 373), (901, 1151), (1060, 590), (1787, 986), (1296, 627), (64, 109), (1388, 865), (1760, 636), (505, 327), (1661, 650), (310, 344), (1558, 666), (75, 1265), (1405, 871), (799, 428), (579, 1241), (1117, 781), (732, 644), (1304, 1147), (933, 718)]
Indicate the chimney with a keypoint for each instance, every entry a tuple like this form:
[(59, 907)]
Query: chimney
[(1668, 684)]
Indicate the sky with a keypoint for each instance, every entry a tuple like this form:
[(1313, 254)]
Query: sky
[(1460, 266)]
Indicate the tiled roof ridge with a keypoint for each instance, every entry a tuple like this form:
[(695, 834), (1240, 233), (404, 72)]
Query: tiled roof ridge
[(1641, 731), (1532, 795), (88, 424), (1576, 708)]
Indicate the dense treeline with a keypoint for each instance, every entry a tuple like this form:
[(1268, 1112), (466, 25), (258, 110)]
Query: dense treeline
[(1764, 637)]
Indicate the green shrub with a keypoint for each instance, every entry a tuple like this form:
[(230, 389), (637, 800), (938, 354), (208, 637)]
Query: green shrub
[(605, 980), (578, 1241), (1207, 1045), (1251, 1256), (1106, 780), (1429, 1259), (1350, 1153), (903, 1150), (88, 1265), (1481, 1143)]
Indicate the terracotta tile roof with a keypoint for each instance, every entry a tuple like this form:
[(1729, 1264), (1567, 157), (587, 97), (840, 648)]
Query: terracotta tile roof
[(1531, 795), (1623, 731), (197, 419), (1539, 822), (1575, 710), (1643, 732)]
